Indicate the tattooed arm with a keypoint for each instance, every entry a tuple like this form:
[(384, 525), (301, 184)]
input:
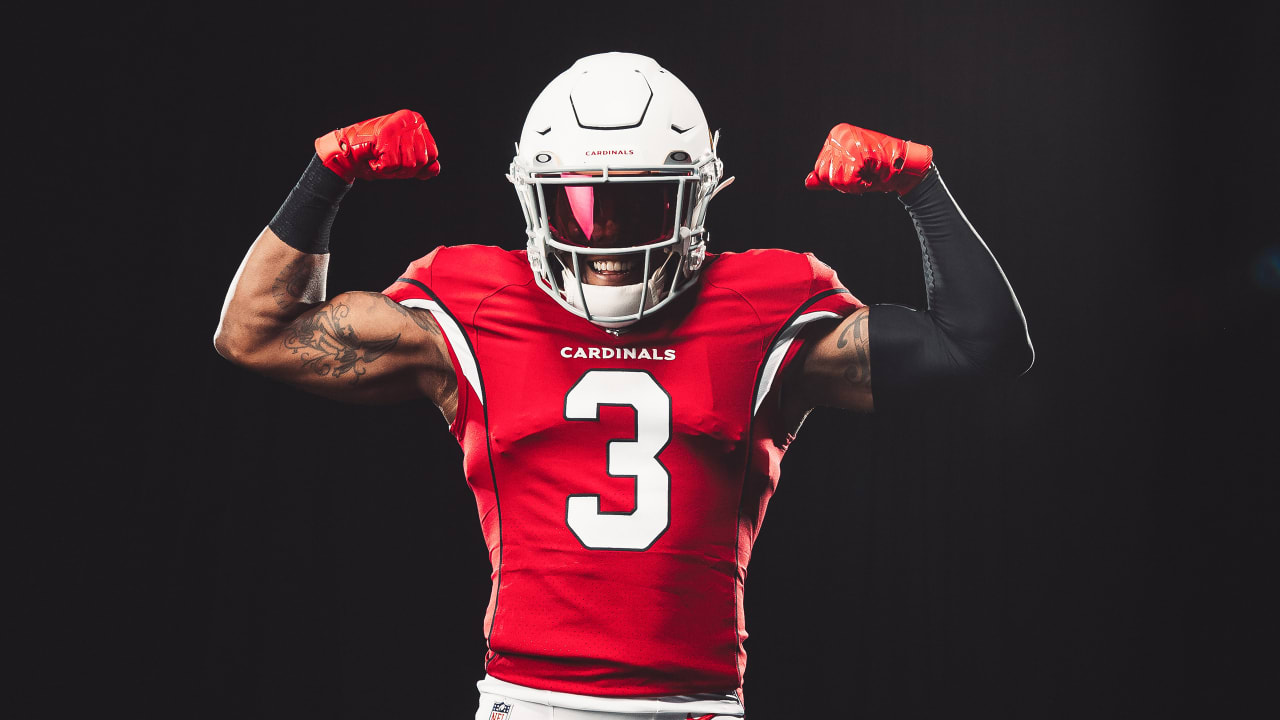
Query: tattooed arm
[(835, 372), (356, 347)]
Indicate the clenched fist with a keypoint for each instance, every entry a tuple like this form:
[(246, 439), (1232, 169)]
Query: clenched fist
[(391, 147), (854, 160)]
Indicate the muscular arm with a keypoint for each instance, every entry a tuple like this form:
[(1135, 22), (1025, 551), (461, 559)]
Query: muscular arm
[(356, 347), (972, 330)]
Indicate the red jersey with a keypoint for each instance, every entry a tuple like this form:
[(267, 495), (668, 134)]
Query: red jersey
[(621, 479)]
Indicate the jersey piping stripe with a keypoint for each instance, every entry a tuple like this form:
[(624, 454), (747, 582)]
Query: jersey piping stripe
[(779, 351), (746, 470), (457, 338), (433, 305)]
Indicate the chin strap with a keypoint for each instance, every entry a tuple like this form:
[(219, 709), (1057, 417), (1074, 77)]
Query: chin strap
[(726, 183), (612, 300)]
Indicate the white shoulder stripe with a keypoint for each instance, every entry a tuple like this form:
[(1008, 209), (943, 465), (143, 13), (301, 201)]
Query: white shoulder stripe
[(779, 351), (457, 339)]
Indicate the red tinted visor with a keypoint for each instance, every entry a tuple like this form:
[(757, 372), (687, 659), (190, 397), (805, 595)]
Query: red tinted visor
[(613, 214)]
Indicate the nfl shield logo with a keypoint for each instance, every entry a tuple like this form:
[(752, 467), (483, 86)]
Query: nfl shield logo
[(500, 710)]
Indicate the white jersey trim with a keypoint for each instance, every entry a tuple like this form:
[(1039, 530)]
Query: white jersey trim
[(779, 351), (457, 339), (702, 704)]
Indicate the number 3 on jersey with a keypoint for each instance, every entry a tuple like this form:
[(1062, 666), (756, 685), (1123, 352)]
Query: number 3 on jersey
[(638, 458)]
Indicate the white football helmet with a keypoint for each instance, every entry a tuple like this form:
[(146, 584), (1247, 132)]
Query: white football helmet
[(616, 166)]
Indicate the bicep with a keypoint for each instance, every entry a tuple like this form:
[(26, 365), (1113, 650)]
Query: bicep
[(835, 368), (362, 347)]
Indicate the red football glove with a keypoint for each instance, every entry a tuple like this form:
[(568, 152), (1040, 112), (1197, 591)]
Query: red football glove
[(391, 147), (854, 160)]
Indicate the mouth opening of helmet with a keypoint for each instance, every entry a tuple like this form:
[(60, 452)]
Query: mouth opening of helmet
[(626, 268)]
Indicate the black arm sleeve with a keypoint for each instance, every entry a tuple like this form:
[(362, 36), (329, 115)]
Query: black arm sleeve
[(973, 327)]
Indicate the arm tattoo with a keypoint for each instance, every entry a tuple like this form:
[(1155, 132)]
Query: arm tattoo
[(857, 370), (420, 317), (329, 346), (295, 283)]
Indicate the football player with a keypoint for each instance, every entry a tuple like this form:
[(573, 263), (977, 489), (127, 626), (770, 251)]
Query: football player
[(623, 396)]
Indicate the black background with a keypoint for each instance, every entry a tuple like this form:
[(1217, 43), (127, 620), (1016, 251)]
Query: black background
[(1095, 541)]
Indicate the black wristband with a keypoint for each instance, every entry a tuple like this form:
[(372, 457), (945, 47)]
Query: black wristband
[(304, 220)]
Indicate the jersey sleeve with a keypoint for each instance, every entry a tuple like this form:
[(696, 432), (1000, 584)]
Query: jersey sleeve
[(415, 280), (426, 285), (826, 290), (827, 301)]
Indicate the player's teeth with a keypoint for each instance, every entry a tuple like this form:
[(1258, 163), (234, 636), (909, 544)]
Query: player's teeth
[(611, 265)]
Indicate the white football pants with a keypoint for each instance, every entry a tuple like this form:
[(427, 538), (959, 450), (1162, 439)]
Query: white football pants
[(506, 701), (497, 707)]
